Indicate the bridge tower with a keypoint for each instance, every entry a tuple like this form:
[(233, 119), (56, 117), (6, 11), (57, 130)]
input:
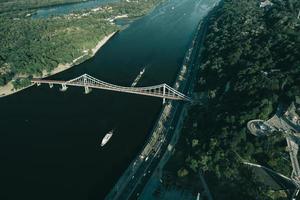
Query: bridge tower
[(164, 93), (88, 82), (86, 88)]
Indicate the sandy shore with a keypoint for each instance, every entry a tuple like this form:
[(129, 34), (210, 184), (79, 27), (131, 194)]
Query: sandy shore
[(8, 89)]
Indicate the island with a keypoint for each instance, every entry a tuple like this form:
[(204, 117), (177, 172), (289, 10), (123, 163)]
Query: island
[(39, 47)]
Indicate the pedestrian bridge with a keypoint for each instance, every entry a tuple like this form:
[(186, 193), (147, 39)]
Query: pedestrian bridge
[(162, 91)]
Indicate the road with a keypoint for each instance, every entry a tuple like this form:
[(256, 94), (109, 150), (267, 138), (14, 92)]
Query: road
[(267, 169), (206, 189), (178, 116), (281, 123), (293, 150), (136, 176)]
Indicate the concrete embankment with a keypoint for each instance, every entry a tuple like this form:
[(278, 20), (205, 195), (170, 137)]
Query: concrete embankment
[(170, 117), (193, 62)]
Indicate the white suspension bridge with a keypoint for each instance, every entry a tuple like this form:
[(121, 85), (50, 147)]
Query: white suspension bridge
[(162, 91)]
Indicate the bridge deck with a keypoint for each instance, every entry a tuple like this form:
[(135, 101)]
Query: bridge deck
[(162, 91)]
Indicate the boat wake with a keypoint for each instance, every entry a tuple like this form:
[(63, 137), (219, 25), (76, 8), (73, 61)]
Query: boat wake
[(139, 76)]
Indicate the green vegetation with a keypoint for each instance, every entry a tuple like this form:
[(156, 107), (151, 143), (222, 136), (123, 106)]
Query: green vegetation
[(36, 46), (14, 5), (21, 82), (31, 46), (250, 65)]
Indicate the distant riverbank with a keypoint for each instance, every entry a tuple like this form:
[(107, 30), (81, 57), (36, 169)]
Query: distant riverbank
[(63, 67), (9, 89)]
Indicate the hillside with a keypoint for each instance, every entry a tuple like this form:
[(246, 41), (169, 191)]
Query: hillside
[(250, 65)]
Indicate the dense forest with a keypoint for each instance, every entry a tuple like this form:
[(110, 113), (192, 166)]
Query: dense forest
[(250, 64), (14, 5), (32, 46)]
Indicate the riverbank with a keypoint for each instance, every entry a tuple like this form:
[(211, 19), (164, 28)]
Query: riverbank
[(215, 134), (164, 136), (59, 40), (63, 67), (155, 184), (23, 5), (9, 89)]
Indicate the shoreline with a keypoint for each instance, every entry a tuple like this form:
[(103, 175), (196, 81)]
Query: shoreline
[(154, 181), (8, 89), (184, 82)]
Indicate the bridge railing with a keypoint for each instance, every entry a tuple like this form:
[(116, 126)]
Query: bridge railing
[(163, 90)]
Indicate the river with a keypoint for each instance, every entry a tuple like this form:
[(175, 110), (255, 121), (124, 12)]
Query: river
[(50, 140)]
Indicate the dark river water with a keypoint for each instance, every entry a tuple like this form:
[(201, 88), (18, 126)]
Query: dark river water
[(50, 140)]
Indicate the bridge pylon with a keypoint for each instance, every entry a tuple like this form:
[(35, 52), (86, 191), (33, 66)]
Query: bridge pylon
[(87, 89), (164, 93), (63, 87), (88, 82)]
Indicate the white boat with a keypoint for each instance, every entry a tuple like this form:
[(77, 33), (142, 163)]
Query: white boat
[(107, 137)]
